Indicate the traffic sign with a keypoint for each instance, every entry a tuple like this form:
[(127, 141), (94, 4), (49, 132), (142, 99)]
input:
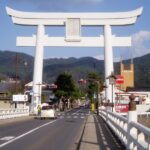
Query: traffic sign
[(120, 79)]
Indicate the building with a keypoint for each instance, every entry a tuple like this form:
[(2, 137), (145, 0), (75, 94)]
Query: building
[(127, 71)]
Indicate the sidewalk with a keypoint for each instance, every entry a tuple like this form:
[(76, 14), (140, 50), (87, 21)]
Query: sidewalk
[(97, 136), (89, 140), (10, 120)]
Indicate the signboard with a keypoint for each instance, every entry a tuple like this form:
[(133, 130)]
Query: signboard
[(73, 29), (121, 108), (120, 79), (20, 98), (52, 86)]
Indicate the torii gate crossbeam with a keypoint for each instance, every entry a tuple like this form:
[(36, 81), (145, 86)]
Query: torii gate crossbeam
[(73, 23)]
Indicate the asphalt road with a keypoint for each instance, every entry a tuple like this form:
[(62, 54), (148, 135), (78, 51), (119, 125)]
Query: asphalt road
[(36, 134)]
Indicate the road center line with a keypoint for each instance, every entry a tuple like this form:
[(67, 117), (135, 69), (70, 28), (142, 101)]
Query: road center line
[(20, 136)]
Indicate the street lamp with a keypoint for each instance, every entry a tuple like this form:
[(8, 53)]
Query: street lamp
[(112, 79)]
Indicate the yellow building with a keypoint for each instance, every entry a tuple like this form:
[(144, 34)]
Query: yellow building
[(127, 71)]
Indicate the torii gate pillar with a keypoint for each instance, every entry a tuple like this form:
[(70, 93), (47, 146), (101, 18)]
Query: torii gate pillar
[(108, 56), (38, 68)]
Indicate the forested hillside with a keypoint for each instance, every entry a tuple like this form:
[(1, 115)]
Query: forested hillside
[(12, 64)]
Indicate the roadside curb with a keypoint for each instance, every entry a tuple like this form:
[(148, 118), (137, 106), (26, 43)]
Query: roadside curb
[(80, 136)]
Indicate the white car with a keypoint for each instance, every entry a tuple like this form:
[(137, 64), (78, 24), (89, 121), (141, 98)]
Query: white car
[(48, 112)]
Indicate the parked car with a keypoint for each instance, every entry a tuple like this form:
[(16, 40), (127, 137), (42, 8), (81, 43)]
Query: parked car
[(48, 112)]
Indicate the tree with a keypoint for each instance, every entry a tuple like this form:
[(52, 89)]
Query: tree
[(66, 88), (95, 84), (65, 84)]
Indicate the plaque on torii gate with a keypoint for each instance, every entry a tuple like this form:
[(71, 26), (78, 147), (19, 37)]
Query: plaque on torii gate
[(73, 38)]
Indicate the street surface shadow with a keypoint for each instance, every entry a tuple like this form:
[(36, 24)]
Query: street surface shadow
[(106, 137)]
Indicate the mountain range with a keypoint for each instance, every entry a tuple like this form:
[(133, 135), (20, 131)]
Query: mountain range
[(13, 64)]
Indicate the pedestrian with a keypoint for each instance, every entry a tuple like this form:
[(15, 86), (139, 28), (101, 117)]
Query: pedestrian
[(39, 110)]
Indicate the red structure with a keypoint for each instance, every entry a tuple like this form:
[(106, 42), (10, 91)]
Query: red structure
[(120, 79)]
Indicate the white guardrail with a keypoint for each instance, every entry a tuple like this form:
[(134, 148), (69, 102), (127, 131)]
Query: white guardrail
[(12, 113), (133, 135)]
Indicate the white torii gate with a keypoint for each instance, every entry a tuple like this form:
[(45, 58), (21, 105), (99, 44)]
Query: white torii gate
[(73, 38)]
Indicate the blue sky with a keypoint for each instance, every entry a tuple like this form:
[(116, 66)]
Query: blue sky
[(140, 31)]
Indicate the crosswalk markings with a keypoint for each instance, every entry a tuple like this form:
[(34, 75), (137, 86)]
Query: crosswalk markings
[(76, 115), (6, 138), (82, 117)]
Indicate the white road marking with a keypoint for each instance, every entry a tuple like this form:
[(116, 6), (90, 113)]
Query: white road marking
[(82, 117), (75, 117), (7, 138), (29, 132), (76, 112)]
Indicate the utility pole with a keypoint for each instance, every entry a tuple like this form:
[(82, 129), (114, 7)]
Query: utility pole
[(16, 71)]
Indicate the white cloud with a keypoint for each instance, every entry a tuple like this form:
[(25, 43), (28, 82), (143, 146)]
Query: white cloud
[(54, 57), (99, 57), (141, 43)]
